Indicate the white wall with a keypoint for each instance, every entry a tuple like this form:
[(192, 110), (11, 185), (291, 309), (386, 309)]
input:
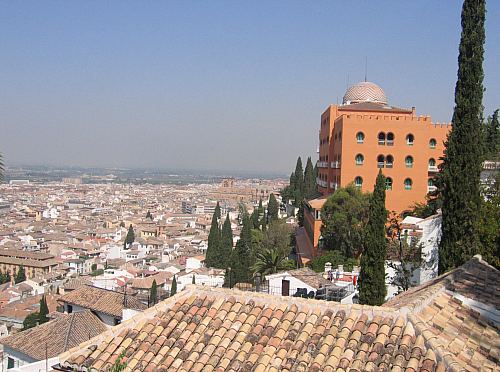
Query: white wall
[(275, 282)]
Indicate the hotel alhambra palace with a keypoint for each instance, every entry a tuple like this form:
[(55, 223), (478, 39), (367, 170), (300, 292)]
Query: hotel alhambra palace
[(364, 135)]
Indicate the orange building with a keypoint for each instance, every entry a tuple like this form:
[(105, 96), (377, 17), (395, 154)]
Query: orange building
[(366, 134)]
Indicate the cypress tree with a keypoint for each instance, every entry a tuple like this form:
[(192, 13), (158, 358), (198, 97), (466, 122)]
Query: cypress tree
[(173, 287), (492, 142), (153, 293), (44, 311), (212, 258), (226, 243), (149, 215), (255, 218), (372, 288), (193, 281), (272, 208), (299, 182), (463, 154), (21, 275), (217, 211), (241, 259), (309, 180), (129, 239)]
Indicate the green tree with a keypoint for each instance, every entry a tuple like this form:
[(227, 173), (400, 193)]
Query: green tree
[(193, 281), (489, 227), (122, 224), (299, 182), (255, 218), (21, 275), (344, 216), (30, 321), (149, 215), (226, 245), (217, 211), (270, 261), (335, 258), (272, 208), (242, 257), (93, 267), (173, 287), (130, 238), (372, 289), (213, 256), (44, 311), (153, 293), (492, 137), (309, 180), (4, 277), (463, 154)]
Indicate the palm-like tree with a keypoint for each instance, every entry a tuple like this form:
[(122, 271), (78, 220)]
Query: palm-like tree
[(270, 261)]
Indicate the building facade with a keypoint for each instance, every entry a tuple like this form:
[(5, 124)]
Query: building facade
[(364, 135)]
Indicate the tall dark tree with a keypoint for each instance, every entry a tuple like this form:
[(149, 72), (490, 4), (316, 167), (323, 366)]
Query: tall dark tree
[(255, 218), (21, 275), (242, 257), (173, 287), (463, 154), (149, 215), (212, 258), (153, 293), (217, 211), (272, 208), (130, 238), (492, 137), (44, 311), (309, 180), (226, 245), (299, 182), (372, 289)]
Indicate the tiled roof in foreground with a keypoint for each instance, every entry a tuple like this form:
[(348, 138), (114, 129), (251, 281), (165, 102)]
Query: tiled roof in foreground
[(208, 329), (58, 335)]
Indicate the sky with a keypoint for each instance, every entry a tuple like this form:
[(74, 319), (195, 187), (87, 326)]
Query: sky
[(215, 85)]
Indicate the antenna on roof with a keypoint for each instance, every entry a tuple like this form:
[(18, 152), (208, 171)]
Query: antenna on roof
[(366, 67)]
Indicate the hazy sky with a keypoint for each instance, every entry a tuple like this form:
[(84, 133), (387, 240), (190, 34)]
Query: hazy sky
[(227, 85)]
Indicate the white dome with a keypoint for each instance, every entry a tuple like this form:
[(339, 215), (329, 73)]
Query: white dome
[(364, 91)]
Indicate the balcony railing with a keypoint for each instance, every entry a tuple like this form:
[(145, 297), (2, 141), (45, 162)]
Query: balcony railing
[(322, 164), (433, 168), (335, 164), (431, 188)]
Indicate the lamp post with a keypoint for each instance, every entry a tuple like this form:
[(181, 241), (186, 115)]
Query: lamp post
[(229, 275)]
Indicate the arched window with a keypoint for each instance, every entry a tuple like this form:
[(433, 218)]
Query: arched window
[(381, 138), (432, 143), (432, 164), (430, 185), (388, 183), (358, 181), (360, 159), (409, 161), (408, 184), (410, 139), (380, 161), (360, 137), (390, 139), (389, 161), (430, 182)]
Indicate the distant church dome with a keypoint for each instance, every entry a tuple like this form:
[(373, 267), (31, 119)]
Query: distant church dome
[(364, 91)]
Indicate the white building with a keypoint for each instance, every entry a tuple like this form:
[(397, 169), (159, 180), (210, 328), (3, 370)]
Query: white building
[(427, 233)]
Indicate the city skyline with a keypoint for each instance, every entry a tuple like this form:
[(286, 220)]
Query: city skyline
[(168, 86)]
